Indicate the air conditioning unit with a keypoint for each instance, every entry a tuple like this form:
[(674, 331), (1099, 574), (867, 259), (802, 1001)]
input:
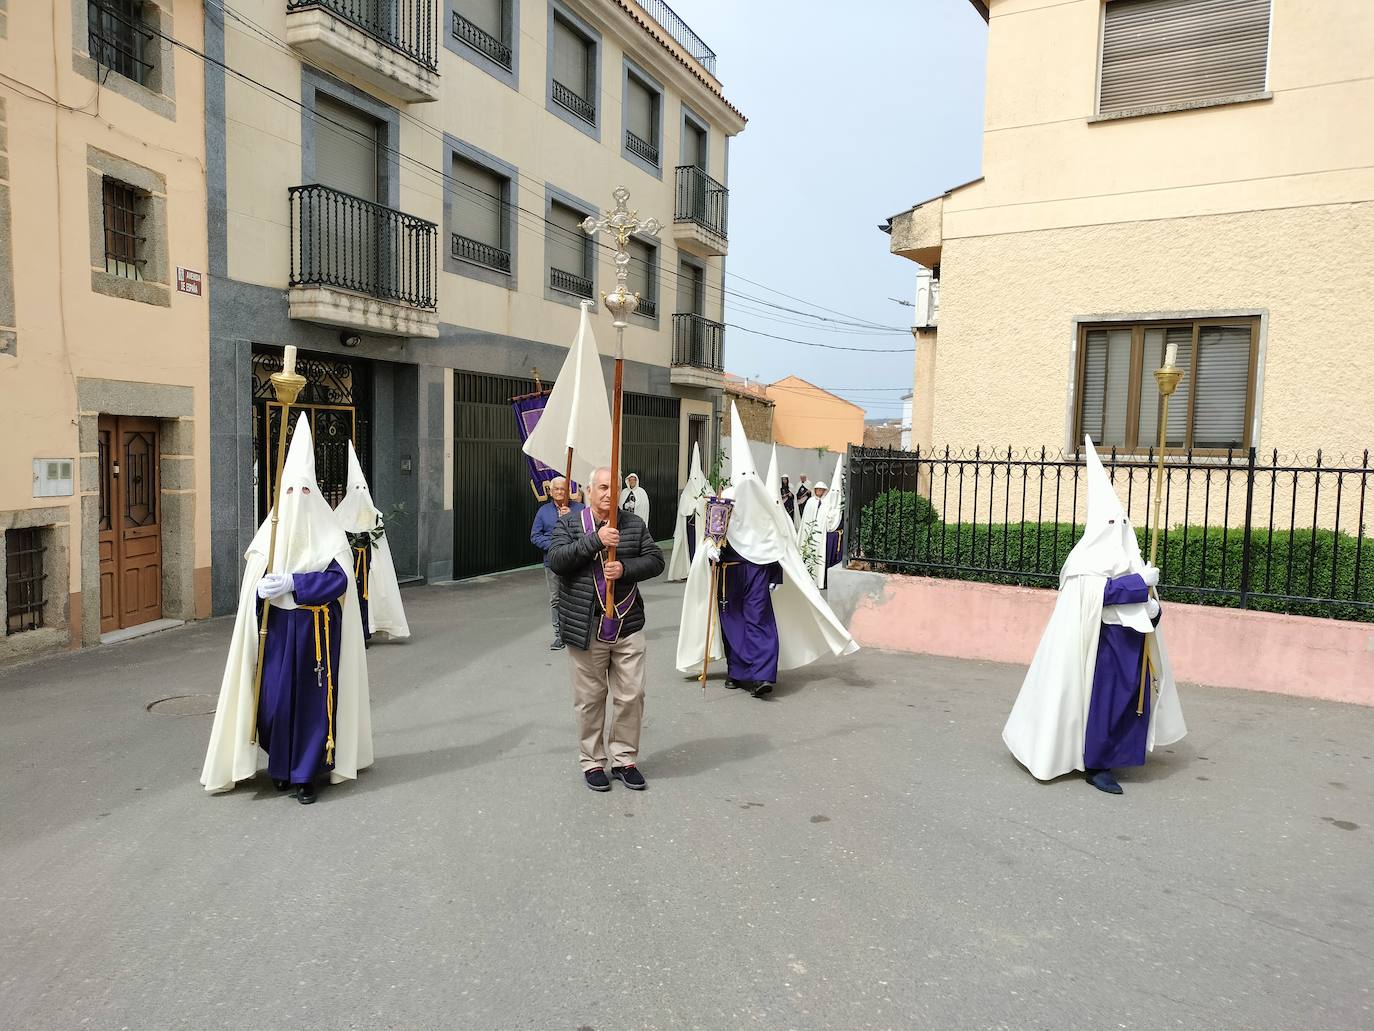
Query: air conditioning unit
[(927, 299)]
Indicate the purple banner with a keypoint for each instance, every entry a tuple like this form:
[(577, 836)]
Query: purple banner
[(528, 408)]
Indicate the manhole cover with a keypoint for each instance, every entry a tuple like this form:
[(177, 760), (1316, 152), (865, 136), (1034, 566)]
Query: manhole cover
[(184, 705)]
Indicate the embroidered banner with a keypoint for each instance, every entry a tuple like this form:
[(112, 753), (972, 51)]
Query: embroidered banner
[(528, 408)]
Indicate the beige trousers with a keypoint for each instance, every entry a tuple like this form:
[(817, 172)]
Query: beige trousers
[(614, 669)]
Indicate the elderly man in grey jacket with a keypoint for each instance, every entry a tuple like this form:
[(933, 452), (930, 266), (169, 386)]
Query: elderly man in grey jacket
[(606, 647)]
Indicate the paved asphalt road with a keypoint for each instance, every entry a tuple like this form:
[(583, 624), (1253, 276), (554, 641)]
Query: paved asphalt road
[(860, 852)]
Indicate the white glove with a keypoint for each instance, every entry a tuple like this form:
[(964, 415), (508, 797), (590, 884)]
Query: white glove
[(274, 585), (1151, 607), (712, 550), (1150, 574)]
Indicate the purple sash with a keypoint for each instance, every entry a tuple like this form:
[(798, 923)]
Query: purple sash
[(609, 630)]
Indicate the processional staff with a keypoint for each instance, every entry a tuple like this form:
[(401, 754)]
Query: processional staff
[(621, 223), (1167, 377)]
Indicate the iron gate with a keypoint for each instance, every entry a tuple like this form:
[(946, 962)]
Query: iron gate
[(493, 506), (336, 399)]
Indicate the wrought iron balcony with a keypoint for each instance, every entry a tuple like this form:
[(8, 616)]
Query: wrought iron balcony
[(345, 242), (466, 249), (647, 307), (568, 283), (481, 40), (405, 26), (698, 342), (681, 32), (641, 148), (565, 97), (702, 200)]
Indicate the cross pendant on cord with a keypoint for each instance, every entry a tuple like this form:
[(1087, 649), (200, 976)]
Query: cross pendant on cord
[(319, 674)]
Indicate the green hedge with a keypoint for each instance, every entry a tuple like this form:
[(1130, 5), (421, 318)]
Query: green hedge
[(900, 527)]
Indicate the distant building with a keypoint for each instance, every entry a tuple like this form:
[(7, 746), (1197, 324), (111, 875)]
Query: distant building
[(883, 433), (805, 416), (755, 408)]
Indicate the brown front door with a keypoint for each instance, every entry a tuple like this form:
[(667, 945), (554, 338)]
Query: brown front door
[(130, 523)]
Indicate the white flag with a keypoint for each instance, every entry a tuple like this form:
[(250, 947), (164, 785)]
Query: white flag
[(577, 414)]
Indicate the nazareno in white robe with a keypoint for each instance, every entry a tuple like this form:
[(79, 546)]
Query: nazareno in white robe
[(1048, 721), (692, 502), (308, 539), (761, 533), (357, 513)]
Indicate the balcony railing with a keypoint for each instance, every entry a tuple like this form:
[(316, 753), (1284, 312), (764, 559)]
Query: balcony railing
[(647, 307), (466, 249), (568, 283), (574, 102), (338, 240), (641, 148), (406, 26), (481, 40), (702, 200), (698, 342), (680, 31)]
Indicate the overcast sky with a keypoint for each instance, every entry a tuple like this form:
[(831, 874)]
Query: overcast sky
[(856, 111)]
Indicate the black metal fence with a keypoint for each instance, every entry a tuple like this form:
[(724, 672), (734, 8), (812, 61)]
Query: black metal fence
[(698, 342), (1239, 530), (702, 200), (406, 26), (344, 241), (481, 40), (682, 32)]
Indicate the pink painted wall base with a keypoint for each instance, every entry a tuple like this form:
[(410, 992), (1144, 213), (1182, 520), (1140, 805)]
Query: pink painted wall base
[(1255, 651)]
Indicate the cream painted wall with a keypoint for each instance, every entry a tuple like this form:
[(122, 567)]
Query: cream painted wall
[(264, 160), (65, 330), (1008, 302), (1046, 163), (1265, 206)]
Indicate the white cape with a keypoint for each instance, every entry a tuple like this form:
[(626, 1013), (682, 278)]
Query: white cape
[(691, 503), (308, 539), (760, 532), (1048, 722), (358, 514), (641, 502)]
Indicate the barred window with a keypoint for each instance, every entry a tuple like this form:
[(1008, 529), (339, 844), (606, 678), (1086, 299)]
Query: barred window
[(125, 210), (24, 578), (119, 39), (1118, 399)]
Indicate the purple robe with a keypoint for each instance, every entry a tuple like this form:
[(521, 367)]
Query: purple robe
[(1115, 736), (362, 569), (748, 628), (833, 553), (294, 714), (691, 537)]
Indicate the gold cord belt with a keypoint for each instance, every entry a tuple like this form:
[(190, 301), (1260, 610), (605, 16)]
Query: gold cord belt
[(324, 661), (360, 567)]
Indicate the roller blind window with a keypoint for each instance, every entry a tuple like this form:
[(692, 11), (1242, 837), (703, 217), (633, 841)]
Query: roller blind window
[(487, 15), (1162, 52), (641, 268), (642, 105), (1118, 398), (569, 246), (572, 59), (345, 148), (480, 208)]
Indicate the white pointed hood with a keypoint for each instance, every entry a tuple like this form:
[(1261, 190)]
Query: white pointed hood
[(773, 481), (693, 492), (1108, 546), (690, 503), (357, 512), (308, 535), (832, 505), (741, 454)]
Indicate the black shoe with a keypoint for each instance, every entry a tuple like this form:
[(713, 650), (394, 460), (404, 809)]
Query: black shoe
[(280, 785), (596, 779), (630, 777), (1103, 781), (761, 688), (305, 794), (557, 645), (733, 685)]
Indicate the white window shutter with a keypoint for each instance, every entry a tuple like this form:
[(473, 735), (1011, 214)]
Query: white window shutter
[(1223, 386)]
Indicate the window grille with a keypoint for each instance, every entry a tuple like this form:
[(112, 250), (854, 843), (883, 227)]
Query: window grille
[(24, 576), (118, 38), (124, 242)]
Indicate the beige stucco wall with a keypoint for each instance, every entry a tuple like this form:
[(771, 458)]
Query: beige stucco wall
[(264, 160), (806, 416), (66, 332)]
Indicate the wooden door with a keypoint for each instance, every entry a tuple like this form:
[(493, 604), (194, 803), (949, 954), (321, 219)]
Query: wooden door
[(130, 522)]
